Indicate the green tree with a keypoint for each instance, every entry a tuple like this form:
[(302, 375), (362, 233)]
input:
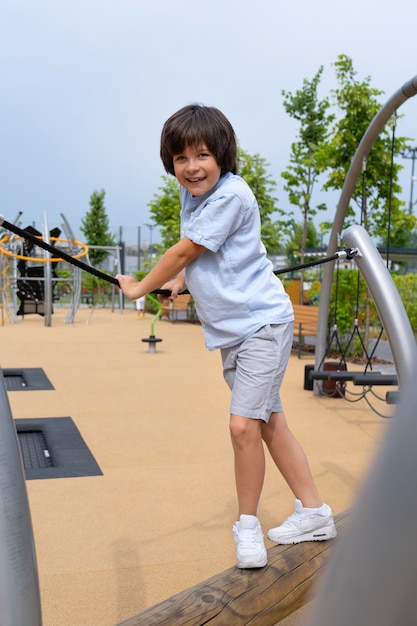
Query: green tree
[(407, 288), (253, 169), (165, 211), (306, 158), (165, 205), (377, 190), (309, 236), (95, 227)]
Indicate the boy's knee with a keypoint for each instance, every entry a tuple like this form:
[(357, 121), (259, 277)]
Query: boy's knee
[(242, 428)]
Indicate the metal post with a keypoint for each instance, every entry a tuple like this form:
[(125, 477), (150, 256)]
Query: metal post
[(19, 585), (47, 277), (151, 227), (76, 275), (119, 258), (411, 153)]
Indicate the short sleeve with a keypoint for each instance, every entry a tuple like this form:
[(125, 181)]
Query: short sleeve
[(215, 221)]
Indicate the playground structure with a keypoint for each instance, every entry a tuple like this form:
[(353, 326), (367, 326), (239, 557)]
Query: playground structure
[(29, 278), (408, 90), (152, 340), (19, 593)]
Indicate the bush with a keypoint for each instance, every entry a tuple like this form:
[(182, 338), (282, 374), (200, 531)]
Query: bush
[(407, 288)]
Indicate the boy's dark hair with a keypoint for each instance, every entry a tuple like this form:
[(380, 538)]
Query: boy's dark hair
[(196, 124)]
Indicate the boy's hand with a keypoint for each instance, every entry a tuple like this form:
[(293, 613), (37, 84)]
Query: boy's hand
[(175, 286), (130, 286)]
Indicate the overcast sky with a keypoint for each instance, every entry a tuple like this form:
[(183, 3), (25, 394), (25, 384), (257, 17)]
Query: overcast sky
[(86, 86)]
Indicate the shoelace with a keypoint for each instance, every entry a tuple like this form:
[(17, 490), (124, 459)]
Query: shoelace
[(298, 518), (294, 518), (248, 536)]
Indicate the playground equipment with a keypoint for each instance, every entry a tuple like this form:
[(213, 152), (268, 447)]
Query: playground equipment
[(408, 90), (387, 300), (152, 340), (31, 277), (236, 597), (19, 584)]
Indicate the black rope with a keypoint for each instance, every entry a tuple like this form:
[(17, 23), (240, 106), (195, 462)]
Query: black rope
[(53, 250), (327, 259), (111, 279), (67, 257)]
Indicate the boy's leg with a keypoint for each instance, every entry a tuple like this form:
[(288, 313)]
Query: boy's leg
[(290, 459), (249, 462), (312, 520), (249, 472)]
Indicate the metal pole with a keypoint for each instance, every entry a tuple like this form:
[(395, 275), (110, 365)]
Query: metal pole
[(19, 585), (414, 151), (76, 276), (150, 226), (47, 277), (119, 266), (411, 153)]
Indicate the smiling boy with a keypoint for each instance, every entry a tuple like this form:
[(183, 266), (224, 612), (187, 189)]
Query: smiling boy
[(244, 312)]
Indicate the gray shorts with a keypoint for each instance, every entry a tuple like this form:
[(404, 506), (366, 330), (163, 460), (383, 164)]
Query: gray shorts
[(254, 370)]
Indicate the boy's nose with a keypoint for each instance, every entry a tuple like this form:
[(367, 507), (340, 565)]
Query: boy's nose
[(192, 165)]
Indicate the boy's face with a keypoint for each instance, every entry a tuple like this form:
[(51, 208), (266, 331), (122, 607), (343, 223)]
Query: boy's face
[(196, 169)]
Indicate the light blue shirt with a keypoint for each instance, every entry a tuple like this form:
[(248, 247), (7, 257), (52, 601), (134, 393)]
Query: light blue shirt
[(232, 282)]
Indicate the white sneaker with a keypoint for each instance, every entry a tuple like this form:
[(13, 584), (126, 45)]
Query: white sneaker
[(250, 547), (305, 525)]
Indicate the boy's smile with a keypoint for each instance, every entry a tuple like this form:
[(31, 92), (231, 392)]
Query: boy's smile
[(196, 169)]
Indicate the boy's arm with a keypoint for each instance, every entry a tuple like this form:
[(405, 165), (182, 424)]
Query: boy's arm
[(170, 264)]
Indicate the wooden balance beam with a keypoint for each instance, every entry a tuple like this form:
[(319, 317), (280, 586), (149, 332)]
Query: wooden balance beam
[(261, 597)]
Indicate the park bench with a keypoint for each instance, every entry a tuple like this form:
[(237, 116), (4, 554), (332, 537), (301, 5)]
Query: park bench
[(171, 309), (306, 318)]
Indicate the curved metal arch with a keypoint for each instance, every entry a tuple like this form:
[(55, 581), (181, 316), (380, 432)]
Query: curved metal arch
[(408, 90)]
